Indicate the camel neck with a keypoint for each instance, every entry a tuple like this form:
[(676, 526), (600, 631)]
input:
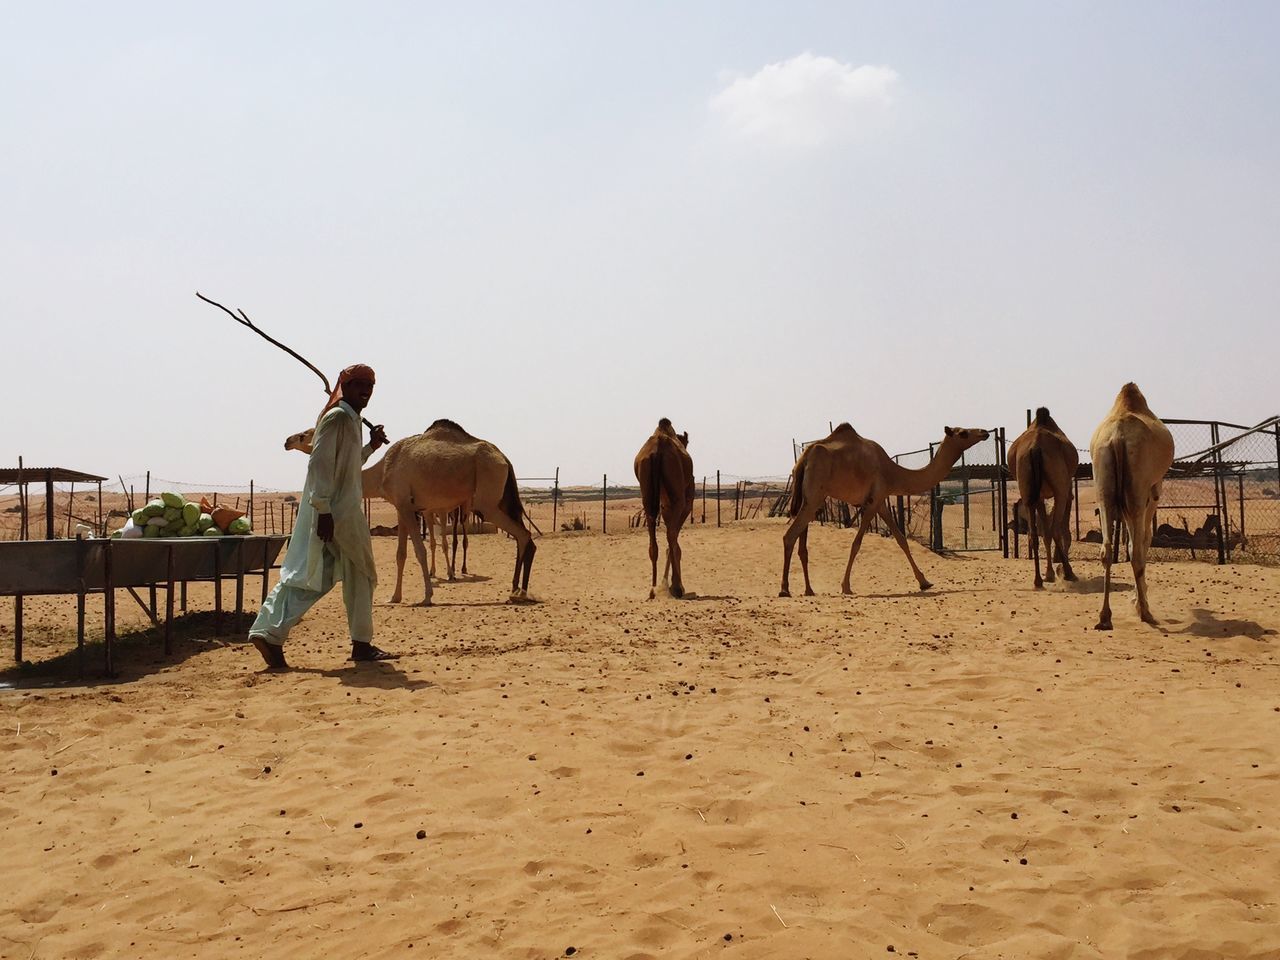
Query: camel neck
[(904, 481)]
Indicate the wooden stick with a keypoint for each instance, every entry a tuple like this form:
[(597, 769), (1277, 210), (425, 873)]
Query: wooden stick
[(242, 318)]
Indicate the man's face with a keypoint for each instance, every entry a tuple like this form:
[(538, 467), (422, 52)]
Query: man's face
[(357, 393)]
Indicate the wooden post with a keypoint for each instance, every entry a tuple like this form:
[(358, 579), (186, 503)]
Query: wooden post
[(1240, 477), (49, 533), (555, 501), (168, 603), (604, 501), (102, 531), (1003, 461), (147, 492), (71, 498), (704, 489), (717, 498), (1219, 499), (251, 503)]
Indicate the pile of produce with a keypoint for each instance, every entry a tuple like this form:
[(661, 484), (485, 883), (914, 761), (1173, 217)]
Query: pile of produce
[(172, 515)]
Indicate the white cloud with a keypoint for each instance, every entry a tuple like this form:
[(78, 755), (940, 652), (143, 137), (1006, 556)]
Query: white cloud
[(805, 101)]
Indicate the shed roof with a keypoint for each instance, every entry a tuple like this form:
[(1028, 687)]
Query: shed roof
[(43, 474)]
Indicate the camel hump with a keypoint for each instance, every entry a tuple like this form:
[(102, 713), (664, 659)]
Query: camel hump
[(1130, 398), (844, 427), (444, 424)]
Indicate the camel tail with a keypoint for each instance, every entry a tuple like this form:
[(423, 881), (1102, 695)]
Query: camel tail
[(1036, 457), (797, 487), (510, 503), (652, 493)]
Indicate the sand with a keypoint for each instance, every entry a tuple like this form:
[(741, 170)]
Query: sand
[(972, 772)]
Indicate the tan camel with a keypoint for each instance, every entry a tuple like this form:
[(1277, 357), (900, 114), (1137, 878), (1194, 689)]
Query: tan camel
[(848, 467), (437, 470), (1044, 462), (665, 471), (1132, 450), (371, 482)]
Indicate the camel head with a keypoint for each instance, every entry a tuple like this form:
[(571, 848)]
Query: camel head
[(965, 437), (301, 441)]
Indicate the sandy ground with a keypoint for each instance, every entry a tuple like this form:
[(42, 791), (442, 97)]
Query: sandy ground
[(972, 772)]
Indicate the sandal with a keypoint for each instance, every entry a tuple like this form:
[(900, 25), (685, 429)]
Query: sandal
[(367, 652), (272, 654)]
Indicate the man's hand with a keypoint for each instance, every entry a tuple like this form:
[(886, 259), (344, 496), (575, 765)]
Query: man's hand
[(377, 437), (324, 527)]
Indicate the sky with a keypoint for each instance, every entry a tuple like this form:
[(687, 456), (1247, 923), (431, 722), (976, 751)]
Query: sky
[(556, 223)]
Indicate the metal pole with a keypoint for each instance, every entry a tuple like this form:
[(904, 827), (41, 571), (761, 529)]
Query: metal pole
[(250, 504), (604, 505), (147, 492), (1240, 478), (1223, 556), (704, 481), (717, 498), (102, 531), (555, 500), (1004, 496)]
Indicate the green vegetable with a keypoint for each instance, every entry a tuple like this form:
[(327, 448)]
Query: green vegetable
[(173, 500), (172, 513), (213, 532), (239, 527), (205, 522), (154, 508), (149, 531), (191, 513), (140, 517)]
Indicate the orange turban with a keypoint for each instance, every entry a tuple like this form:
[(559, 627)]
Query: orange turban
[(357, 371)]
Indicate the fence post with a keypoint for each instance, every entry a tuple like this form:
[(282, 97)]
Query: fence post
[(604, 505), (555, 501), (250, 503), (1218, 497), (1003, 459), (147, 493), (717, 498), (704, 480)]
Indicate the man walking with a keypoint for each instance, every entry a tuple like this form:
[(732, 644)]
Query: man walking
[(330, 540)]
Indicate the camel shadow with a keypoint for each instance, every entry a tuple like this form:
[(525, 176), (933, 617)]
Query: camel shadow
[(1086, 585), (931, 592), (465, 578), (1206, 624), (694, 597)]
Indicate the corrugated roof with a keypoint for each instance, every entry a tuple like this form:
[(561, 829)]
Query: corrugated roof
[(41, 474)]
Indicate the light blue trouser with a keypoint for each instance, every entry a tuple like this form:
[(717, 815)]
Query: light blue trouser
[(285, 605)]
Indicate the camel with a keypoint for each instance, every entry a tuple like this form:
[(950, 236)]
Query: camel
[(437, 470), (1132, 450), (1044, 462), (849, 467), (665, 471), (371, 482)]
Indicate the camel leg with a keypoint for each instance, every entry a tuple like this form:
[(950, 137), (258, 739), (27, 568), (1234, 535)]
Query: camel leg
[(1062, 534), (803, 551), (1033, 547), (431, 538), (453, 559), (420, 551), (652, 524), (525, 549), (799, 523), (464, 546), (887, 515), (1141, 543), (864, 521), (673, 556), (1046, 540), (1110, 544), (402, 537)]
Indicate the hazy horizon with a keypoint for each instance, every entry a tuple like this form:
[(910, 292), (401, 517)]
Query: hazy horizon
[(556, 224)]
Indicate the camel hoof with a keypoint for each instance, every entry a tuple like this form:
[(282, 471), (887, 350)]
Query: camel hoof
[(1038, 585), (1102, 625), (846, 590), (424, 602), (1148, 618), (677, 592), (395, 598), (925, 585), (784, 593), (652, 593), (1069, 576)]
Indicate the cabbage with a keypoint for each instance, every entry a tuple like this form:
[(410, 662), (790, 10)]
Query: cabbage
[(140, 516), (173, 500), (172, 513), (154, 508), (205, 522), (239, 526), (190, 513), (149, 531), (212, 532)]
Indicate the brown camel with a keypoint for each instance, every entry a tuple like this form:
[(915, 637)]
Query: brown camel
[(1132, 450), (848, 467), (1044, 462), (665, 471), (371, 481), (437, 470)]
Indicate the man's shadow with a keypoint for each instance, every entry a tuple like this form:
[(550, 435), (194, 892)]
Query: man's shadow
[(380, 675), (1205, 624)]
